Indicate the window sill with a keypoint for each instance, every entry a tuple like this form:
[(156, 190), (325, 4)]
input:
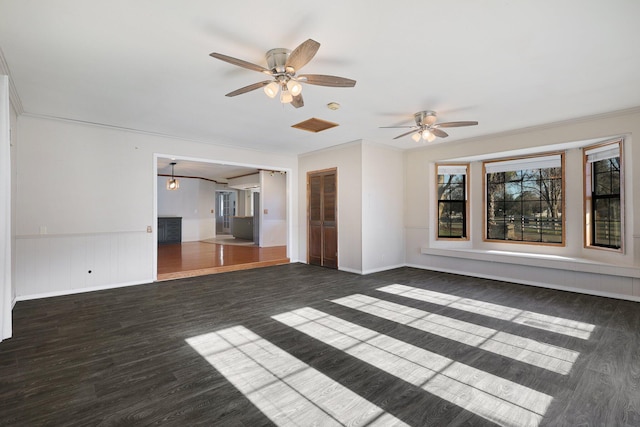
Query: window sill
[(537, 260)]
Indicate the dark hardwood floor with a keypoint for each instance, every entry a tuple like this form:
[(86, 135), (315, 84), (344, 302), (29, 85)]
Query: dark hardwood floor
[(303, 345)]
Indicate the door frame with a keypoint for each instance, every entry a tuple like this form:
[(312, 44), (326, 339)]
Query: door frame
[(154, 232)]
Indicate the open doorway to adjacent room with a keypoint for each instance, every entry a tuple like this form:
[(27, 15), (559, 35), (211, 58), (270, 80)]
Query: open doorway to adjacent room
[(209, 218)]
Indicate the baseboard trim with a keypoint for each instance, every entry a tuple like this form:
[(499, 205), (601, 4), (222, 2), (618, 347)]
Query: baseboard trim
[(370, 271), (81, 290), (378, 270), (350, 270)]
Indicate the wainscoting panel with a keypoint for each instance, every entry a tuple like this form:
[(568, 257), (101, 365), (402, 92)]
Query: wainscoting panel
[(58, 264)]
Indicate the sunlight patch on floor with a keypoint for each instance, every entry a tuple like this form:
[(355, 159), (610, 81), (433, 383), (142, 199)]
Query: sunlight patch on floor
[(546, 356), (494, 398), (288, 391), (559, 325)]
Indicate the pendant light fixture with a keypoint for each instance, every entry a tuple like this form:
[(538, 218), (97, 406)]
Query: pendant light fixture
[(172, 183)]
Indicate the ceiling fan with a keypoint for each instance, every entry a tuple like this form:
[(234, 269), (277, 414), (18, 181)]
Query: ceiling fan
[(282, 66), (426, 127)]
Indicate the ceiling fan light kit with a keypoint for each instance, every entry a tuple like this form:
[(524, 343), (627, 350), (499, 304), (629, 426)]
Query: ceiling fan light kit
[(283, 65), (271, 89), (427, 129), (294, 87), (285, 96)]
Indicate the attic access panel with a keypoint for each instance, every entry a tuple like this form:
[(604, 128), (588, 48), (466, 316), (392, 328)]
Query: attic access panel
[(314, 125)]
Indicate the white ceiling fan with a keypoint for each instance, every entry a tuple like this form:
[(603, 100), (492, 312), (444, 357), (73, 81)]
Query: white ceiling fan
[(426, 127), (282, 66)]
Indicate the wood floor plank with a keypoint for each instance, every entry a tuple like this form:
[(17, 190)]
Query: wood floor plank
[(190, 259), (122, 357)]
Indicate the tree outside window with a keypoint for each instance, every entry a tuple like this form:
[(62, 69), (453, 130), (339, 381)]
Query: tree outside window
[(603, 198), (452, 201), (524, 200)]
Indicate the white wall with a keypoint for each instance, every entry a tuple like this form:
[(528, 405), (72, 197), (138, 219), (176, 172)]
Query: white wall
[(382, 200), (90, 189), (370, 203), (193, 201), (14, 180), (6, 238), (347, 158), (243, 182), (571, 267), (245, 200), (91, 211), (273, 211)]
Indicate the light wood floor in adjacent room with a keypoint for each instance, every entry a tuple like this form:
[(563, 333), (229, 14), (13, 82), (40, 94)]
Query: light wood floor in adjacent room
[(303, 345), (189, 259)]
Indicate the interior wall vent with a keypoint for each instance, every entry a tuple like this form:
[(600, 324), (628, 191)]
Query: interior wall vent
[(314, 125)]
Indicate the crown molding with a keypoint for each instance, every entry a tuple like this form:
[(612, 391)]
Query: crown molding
[(145, 132), (14, 98)]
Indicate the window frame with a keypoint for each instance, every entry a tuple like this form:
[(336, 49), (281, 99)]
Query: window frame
[(524, 160), (465, 222), (588, 214)]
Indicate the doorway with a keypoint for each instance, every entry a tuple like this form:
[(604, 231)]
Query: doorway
[(226, 209), (206, 203), (322, 197)]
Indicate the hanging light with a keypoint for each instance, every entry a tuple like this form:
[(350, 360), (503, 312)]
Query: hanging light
[(271, 89), (285, 95), (172, 183), (295, 88), (427, 135), (287, 90)]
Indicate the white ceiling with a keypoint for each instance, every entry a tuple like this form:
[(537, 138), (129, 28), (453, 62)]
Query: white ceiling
[(145, 65)]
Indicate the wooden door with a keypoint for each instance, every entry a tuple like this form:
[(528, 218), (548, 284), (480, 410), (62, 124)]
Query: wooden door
[(322, 198)]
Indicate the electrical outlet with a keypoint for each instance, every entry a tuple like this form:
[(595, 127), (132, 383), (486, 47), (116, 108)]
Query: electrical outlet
[(149, 230)]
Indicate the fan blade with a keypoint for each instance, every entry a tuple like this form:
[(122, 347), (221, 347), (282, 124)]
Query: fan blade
[(405, 134), (301, 55), (397, 127), (297, 101), (455, 124), (324, 80), (438, 132), (248, 88), (240, 63)]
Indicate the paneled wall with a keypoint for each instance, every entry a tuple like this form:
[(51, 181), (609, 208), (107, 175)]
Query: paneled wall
[(85, 196), (57, 265)]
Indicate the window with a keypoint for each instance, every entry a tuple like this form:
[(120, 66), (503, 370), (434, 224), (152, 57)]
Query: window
[(452, 201), (603, 196), (524, 199)]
